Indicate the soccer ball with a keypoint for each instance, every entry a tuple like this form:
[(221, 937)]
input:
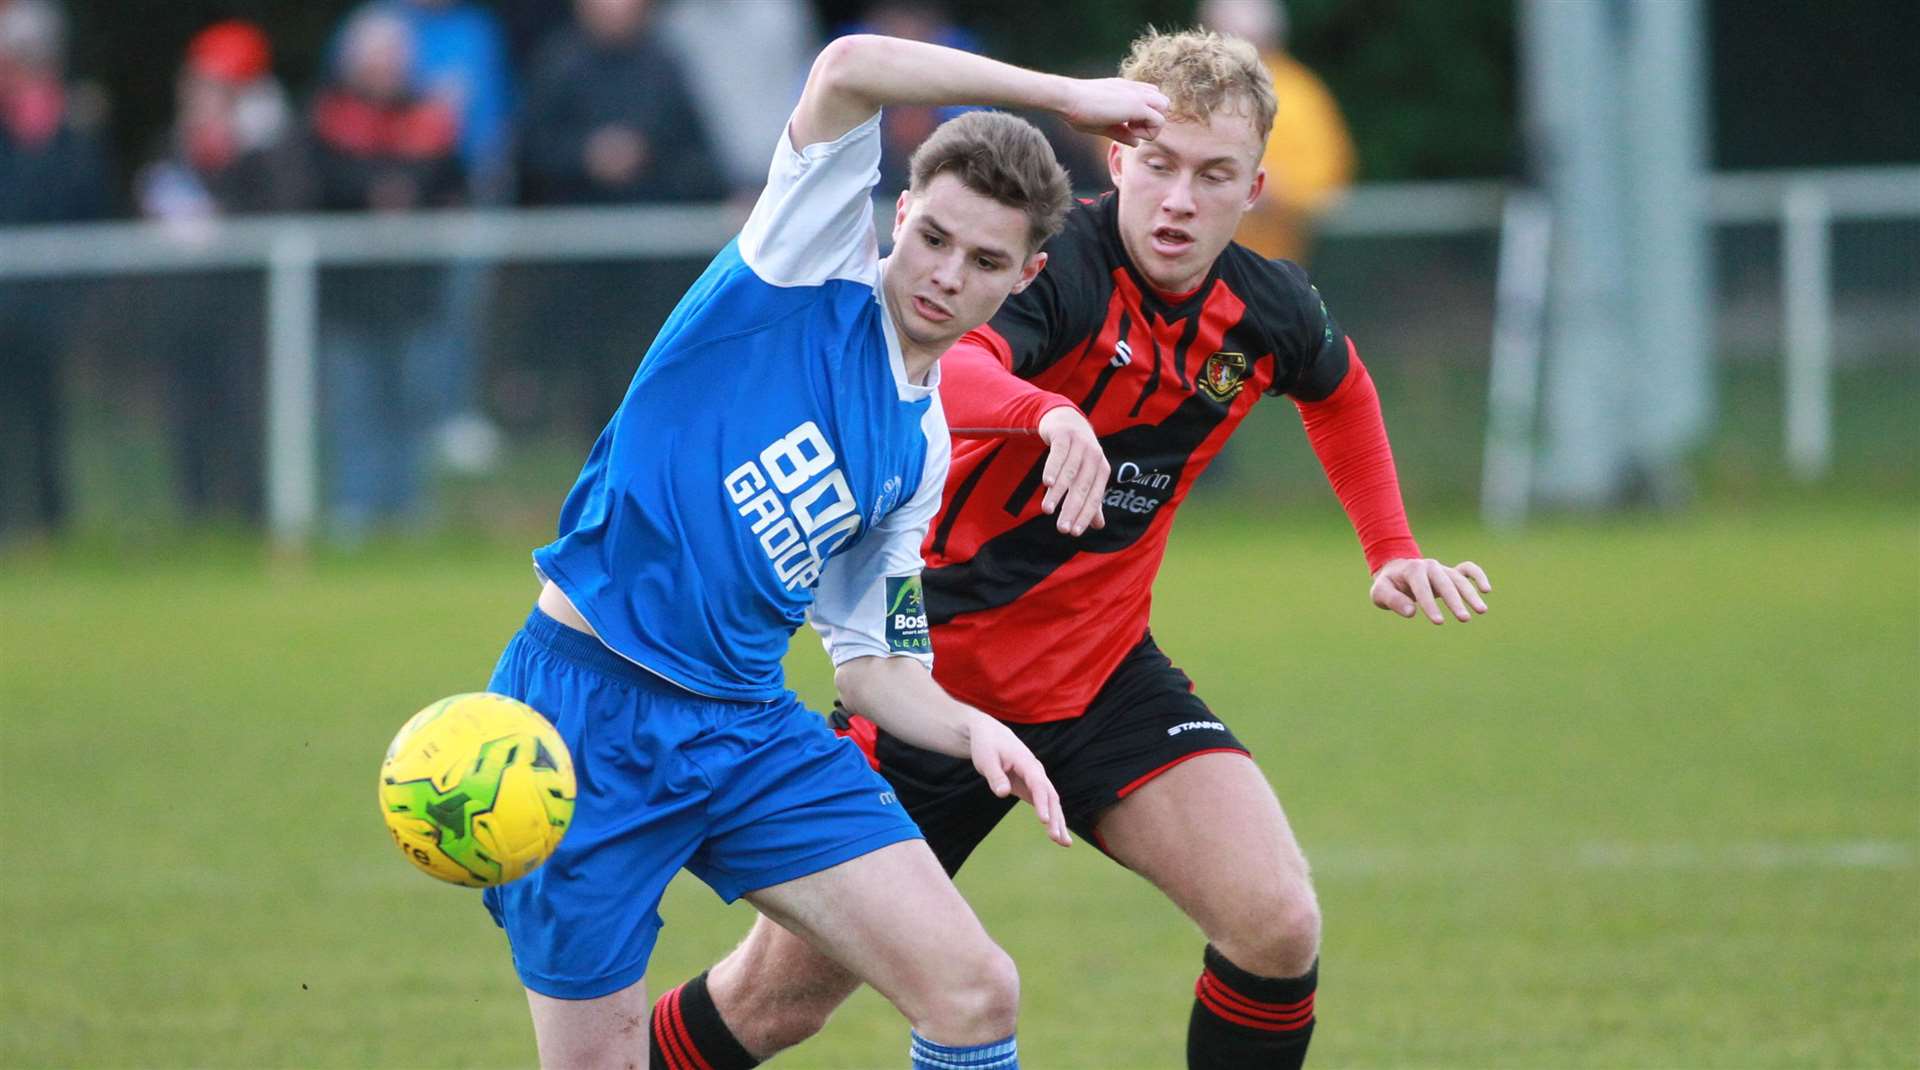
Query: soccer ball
[(477, 789)]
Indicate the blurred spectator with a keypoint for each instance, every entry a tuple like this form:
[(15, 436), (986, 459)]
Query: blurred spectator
[(609, 118), (377, 145), (230, 151), (902, 129), (1309, 158), (746, 104), (527, 24), (459, 58), (51, 171)]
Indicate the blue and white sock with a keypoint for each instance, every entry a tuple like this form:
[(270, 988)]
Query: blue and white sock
[(999, 1055)]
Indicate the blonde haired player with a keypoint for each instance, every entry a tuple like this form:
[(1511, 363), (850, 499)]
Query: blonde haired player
[(1121, 372)]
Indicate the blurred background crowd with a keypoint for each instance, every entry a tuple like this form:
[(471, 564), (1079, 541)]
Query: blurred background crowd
[(185, 113)]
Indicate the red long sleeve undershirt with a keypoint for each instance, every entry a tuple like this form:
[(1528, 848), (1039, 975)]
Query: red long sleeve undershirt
[(982, 396), (983, 399), (1350, 438)]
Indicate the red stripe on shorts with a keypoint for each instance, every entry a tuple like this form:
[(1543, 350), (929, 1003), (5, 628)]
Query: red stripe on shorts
[(1140, 781)]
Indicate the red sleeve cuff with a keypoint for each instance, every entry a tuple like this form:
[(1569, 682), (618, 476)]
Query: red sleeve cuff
[(1349, 436), (982, 396)]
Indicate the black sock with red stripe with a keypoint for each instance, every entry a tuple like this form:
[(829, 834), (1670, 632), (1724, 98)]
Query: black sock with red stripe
[(688, 1033), (1241, 1020)]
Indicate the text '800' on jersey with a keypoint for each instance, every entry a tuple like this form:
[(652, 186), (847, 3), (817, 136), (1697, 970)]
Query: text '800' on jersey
[(770, 460), (1029, 622)]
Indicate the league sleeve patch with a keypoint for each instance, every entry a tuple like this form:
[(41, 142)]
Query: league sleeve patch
[(907, 616)]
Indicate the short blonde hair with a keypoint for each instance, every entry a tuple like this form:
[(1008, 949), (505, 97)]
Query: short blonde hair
[(1202, 72)]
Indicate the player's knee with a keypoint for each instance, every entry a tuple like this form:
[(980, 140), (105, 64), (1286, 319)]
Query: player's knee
[(980, 1002), (769, 1012), (1296, 937), (1279, 938), (789, 1022)]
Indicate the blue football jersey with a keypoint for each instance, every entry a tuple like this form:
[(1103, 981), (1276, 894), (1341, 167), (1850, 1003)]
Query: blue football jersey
[(770, 459)]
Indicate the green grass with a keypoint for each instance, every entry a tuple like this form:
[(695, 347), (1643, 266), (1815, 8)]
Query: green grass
[(1661, 809)]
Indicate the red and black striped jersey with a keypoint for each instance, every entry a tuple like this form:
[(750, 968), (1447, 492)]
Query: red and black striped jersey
[(1028, 623)]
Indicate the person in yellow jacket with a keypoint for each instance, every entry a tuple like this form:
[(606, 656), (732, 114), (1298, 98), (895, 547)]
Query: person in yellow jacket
[(1309, 158)]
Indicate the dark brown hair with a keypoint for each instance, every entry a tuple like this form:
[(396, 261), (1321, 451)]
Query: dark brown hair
[(1000, 156)]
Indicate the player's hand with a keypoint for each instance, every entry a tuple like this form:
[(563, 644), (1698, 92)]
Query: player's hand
[(1009, 767), (1076, 471), (1127, 112), (1406, 586)]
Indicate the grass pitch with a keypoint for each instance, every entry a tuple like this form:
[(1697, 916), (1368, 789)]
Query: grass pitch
[(1660, 809)]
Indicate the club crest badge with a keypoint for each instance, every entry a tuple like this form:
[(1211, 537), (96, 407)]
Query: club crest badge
[(1224, 375)]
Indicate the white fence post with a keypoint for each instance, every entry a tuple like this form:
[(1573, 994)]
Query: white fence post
[(1513, 377), (293, 485), (1807, 300)]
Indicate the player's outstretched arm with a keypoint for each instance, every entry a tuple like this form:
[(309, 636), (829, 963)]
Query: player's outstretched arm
[(900, 695), (1405, 585), (984, 398), (856, 76)]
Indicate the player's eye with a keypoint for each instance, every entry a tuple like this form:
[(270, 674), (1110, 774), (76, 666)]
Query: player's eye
[(1216, 177), (933, 240), (987, 263)]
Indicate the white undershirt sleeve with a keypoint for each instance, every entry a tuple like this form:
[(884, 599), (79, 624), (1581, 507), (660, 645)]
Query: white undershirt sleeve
[(814, 220), (868, 602)]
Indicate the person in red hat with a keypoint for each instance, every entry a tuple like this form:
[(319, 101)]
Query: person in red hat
[(222, 155), (234, 51), (229, 151)]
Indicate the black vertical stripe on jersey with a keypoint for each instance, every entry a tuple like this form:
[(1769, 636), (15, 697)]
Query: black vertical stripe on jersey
[(1076, 352), (1017, 501), (1068, 300), (1099, 387), (1187, 335), (1019, 559), (1112, 369), (960, 496), (1189, 330), (1153, 381), (1024, 490)]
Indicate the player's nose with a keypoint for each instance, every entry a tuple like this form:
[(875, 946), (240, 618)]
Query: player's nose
[(1179, 198), (948, 272)]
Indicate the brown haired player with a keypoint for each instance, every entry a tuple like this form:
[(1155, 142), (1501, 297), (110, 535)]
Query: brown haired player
[(1105, 389), (777, 459)]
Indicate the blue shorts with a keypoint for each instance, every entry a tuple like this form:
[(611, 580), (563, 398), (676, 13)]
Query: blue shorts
[(743, 794)]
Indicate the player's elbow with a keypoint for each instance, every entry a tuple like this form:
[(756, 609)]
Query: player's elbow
[(837, 69), (855, 679)]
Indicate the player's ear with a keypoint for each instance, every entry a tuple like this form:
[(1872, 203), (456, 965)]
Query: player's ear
[(900, 213), (1030, 271), (1259, 183), (1114, 152)]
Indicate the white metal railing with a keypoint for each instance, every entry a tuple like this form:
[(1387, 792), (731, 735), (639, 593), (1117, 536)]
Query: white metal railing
[(291, 249)]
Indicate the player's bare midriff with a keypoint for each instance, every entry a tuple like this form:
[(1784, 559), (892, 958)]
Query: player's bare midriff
[(553, 602)]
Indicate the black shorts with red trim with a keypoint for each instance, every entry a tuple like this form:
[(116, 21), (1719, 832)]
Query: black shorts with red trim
[(1145, 720)]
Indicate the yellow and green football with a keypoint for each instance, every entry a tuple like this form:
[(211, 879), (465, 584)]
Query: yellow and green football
[(477, 789)]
